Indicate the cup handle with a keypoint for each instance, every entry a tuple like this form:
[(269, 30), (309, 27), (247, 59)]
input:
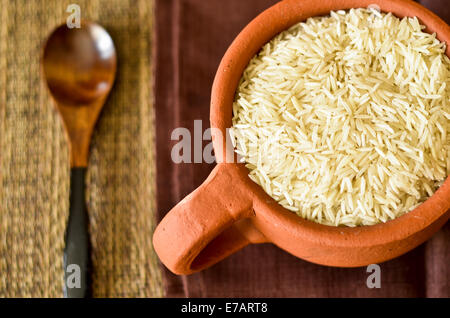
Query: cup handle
[(201, 230)]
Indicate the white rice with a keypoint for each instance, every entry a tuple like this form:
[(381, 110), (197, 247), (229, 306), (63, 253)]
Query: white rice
[(344, 119)]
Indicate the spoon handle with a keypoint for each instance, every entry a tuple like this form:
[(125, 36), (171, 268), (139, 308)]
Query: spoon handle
[(76, 252)]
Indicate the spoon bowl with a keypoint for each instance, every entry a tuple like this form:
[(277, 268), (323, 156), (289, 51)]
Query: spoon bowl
[(79, 64)]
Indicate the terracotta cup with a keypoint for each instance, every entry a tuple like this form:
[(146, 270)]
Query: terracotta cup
[(229, 211)]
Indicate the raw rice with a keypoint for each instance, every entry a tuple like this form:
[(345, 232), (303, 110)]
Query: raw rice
[(344, 119)]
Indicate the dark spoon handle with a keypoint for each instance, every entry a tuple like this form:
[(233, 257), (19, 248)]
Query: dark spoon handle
[(76, 252)]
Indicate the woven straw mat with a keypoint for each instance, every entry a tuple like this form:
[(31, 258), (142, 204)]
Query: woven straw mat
[(34, 161)]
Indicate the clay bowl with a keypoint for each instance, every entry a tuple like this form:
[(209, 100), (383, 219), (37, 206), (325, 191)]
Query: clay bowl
[(229, 211)]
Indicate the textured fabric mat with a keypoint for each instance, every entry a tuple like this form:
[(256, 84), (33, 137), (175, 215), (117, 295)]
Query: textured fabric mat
[(192, 36), (34, 162)]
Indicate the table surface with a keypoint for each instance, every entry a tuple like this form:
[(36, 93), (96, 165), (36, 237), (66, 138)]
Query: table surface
[(192, 36)]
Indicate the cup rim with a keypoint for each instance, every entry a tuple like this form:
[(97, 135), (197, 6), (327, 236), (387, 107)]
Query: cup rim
[(249, 41)]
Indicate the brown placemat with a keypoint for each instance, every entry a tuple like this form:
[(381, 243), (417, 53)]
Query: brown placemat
[(34, 163), (192, 36)]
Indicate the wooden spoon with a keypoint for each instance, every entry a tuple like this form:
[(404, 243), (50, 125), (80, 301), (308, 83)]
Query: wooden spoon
[(79, 66)]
